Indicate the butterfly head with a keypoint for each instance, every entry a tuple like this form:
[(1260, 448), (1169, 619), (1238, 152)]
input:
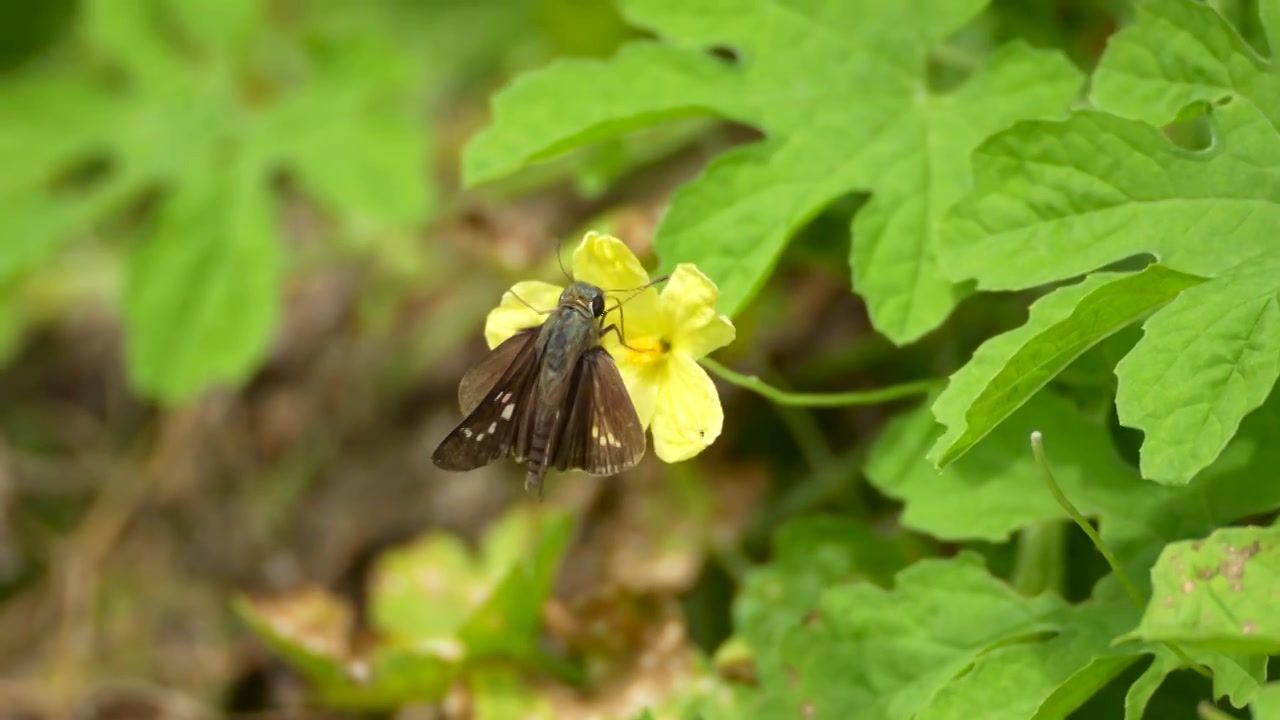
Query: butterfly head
[(585, 296)]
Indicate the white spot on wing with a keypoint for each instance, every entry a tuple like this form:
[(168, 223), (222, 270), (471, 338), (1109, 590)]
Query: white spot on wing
[(595, 431), (506, 397), (466, 432), (480, 437), (493, 427), (509, 410)]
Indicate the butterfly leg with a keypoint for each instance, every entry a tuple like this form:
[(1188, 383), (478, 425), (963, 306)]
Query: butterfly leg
[(526, 304), (620, 333)]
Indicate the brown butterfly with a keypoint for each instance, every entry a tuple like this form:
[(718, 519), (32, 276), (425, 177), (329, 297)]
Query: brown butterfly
[(549, 396)]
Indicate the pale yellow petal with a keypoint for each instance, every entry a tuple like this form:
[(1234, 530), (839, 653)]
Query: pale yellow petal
[(606, 262), (688, 307), (688, 416), (511, 315), (643, 381), (637, 317)]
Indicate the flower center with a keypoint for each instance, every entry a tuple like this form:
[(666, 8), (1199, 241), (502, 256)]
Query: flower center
[(647, 350)]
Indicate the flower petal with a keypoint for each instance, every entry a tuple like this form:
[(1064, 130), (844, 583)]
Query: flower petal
[(637, 318), (606, 262), (688, 417), (644, 382), (688, 305), (511, 315)]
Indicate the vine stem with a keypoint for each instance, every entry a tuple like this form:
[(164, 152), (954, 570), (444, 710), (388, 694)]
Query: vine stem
[(1037, 449), (838, 399)]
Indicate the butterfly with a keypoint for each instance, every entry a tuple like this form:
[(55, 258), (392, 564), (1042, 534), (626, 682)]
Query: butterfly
[(549, 396)]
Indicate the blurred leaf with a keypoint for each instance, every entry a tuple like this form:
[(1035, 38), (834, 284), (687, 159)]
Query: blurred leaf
[(1266, 706), (1237, 677), (203, 103), (492, 603), (810, 554), (584, 27), (201, 298), (369, 166), (1138, 526), (1218, 593), (499, 693), (437, 612), (1010, 368), (1044, 677), (871, 653), (1183, 389), (861, 119), (996, 488), (312, 630)]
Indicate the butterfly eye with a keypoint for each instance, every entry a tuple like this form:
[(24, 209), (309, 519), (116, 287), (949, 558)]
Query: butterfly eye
[(597, 305)]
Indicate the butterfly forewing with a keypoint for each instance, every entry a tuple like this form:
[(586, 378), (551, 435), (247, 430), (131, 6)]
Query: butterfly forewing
[(481, 380), (602, 434), (496, 408)]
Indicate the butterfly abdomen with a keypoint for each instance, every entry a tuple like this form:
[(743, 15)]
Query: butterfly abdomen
[(538, 455)]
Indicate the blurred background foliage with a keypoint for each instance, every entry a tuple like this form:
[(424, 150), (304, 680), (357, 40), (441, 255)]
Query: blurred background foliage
[(238, 286)]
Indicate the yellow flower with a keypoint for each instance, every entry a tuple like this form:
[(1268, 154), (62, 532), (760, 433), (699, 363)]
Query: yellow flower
[(666, 334)]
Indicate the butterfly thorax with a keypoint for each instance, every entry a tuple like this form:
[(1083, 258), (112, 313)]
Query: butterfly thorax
[(571, 330)]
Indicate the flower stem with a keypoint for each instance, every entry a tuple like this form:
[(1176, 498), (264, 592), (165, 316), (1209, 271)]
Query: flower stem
[(1037, 449), (838, 399)]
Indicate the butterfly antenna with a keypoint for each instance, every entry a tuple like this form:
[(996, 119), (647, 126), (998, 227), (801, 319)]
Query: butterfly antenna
[(560, 259), (636, 291)]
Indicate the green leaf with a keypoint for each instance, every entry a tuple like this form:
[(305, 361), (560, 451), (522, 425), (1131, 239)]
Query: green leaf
[(437, 612), (1138, 526), (872, 653), (311, 629), (1236, 677), (435, 589), (988, 493), (190, 115), (1206, 360), (810, 554), (1266, 706), (1046, 677), (1201, 58), (843, 99), (201, 297), (997, 488), (1218, 593), (1010, 368), (1051, 202), (367, 162)]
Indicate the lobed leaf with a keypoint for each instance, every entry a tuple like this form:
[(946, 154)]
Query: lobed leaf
[(438, 613), (1266, 705), (867, 652), (201, 294), (991, 492), (842, 96), (1055, 200), (810, 554), (1205, 361), (1008, 369), (1218, 593)]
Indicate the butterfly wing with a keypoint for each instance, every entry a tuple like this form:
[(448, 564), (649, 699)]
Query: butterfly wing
[(498, 411), (603, 434), (484, 377)]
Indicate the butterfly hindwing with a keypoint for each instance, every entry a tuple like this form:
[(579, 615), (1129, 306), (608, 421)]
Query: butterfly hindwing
[(493, 424), (602, 434), (484, 377)]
